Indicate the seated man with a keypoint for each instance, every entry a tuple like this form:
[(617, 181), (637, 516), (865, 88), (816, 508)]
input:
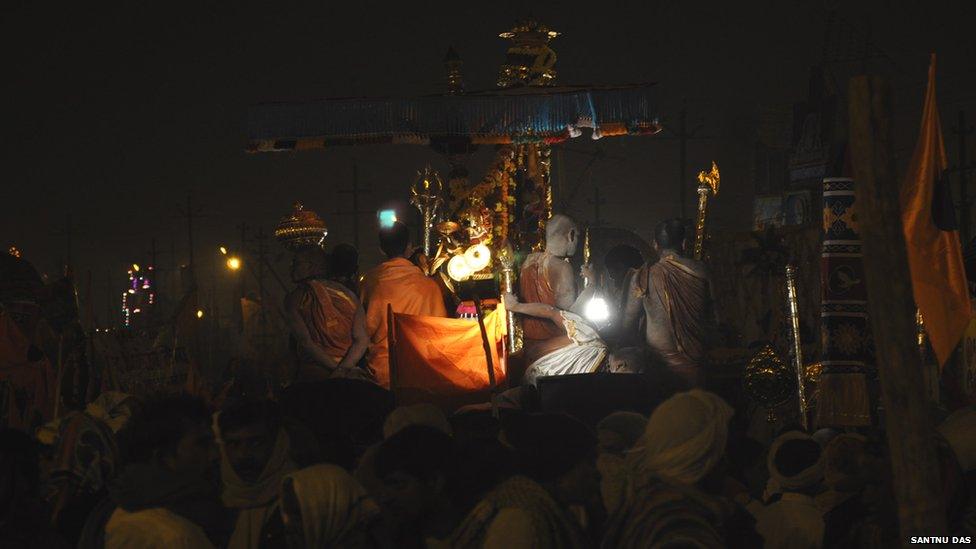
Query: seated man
[(577, 350), (676, 297), (547, 279), (326, 319), (399, 283)]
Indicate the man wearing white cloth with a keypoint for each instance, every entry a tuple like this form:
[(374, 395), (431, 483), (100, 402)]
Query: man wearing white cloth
[(579, 350)]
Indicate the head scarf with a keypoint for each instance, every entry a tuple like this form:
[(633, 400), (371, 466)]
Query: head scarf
[(416, 414), (332, 504), (256, 500), (805, 478), (685, 438), (112, 408), (629, 425)]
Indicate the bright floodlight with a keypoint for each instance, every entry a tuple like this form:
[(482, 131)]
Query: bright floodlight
[(597, 310), (233, 263), (387, 218)]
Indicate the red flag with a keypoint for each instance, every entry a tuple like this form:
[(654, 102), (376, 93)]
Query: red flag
[(934, 253)]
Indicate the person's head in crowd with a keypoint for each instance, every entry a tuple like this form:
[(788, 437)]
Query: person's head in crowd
[(557, 451), (309, 262), (621, 259), (416, 414), (562, 236), (845, 459), (343, 262), (618, 432), (670, 235), (395, 240), (175, 433), (323, 506), (412, 467), (249, 433), (795, 463), (685, 439)]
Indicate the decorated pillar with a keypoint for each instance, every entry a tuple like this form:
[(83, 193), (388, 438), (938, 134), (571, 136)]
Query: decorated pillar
[(847, 350)]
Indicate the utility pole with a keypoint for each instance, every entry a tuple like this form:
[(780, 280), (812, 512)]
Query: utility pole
[(190, 213), (597, 201), (683, 134), (909, 423), (355, 191), (962, 130)]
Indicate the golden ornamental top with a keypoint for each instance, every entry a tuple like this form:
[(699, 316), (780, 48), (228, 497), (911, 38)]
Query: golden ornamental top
[(301, 228), (710, 179)]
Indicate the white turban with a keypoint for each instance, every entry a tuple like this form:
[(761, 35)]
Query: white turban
[(332, 504), (803, 479), (424, 414), (685, 438)]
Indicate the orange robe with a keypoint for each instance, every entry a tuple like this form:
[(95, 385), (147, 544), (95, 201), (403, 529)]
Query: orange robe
[(399, 283), (328, 313), (534, 287)]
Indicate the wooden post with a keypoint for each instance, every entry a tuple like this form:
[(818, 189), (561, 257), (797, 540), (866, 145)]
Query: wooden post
[(487, 347), (909, 426)]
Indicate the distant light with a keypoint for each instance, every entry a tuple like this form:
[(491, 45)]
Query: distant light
[(233, 263), (387, 218), (137, 310), (597, 310), (135, 267), (199, 313), (14, 251), (223, 250), (131, 291)]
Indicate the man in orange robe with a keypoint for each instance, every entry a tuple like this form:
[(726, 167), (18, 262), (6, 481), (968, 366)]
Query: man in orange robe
[(399, 283), (326, 319)]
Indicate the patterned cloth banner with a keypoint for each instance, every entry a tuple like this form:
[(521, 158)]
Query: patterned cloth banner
[(539, 113), (847, 350)]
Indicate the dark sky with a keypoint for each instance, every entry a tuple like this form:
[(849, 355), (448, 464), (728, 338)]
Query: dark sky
[(115, 112)]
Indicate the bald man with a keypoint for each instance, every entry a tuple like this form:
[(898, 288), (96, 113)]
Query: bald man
[(547, 278)]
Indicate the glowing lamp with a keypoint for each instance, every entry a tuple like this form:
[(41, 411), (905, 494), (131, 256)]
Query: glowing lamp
[(199, 313), (458, 269), (477, 257), (596, 310), (223, 250), (387, 218), (233, 263), (135, 267)]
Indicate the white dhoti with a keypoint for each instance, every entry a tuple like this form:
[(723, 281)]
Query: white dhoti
[(583, 356)]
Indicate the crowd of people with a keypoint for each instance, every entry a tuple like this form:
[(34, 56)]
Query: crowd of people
[(330, 460), (172, 471)]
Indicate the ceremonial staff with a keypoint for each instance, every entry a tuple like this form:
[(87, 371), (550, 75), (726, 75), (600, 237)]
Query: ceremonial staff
[(425, 194), (707, 185), (796, 350)]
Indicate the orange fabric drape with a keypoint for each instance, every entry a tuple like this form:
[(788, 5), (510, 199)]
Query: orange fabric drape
[(328, 314), (442, 360), (934, 255), (399, 283)]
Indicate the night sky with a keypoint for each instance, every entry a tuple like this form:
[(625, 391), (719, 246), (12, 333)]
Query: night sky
[(115, 112)]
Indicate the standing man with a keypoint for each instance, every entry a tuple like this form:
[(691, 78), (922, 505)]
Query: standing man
[(326, 320), (399, 283), (676, 296)]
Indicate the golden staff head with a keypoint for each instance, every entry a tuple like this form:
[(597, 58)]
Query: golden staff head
[(710, 178)]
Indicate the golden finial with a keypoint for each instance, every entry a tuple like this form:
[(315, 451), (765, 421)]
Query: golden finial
[(710, 178)]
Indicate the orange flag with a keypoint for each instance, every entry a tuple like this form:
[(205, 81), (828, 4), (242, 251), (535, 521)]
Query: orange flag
[(934, 253)]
